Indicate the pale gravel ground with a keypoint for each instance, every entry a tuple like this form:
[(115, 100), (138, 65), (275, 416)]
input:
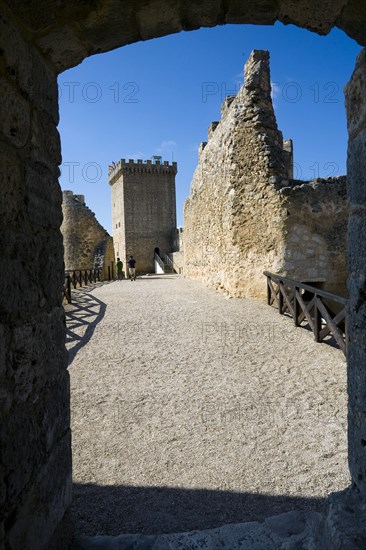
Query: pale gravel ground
[(191, 410)]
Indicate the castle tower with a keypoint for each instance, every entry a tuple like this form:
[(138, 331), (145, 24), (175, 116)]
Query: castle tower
[(143, 210)]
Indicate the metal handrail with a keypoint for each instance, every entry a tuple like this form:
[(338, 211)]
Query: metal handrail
[(159, 260)]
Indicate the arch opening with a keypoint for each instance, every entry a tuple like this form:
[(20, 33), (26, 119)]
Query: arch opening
[(34, 47)]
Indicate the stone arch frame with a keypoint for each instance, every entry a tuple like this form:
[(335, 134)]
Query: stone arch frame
[(38, 40)]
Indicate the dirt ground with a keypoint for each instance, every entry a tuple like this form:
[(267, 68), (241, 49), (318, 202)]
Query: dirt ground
[(191, 410)]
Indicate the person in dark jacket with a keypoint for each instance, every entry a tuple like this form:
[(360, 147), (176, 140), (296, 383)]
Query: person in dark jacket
[(131, 268)]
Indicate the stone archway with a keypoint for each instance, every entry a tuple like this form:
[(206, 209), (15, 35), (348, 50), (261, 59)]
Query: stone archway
[(38, 40)]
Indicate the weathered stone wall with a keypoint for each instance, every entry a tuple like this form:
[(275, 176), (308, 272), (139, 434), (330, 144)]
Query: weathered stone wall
[(40, 38), (87, 244), (143, 210), (35, 458), (356, 169), (244, 215), (315, 238), (178, 261), (67, 32), (227, 235)]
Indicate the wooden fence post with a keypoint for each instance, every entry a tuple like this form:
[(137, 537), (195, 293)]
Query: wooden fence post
[(68, 287), (269, 294), (280, 298), (296, 308), (317, 320)]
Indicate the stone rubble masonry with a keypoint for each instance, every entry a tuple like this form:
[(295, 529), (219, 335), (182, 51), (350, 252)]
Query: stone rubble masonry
[(87, 245), (245, 214), (67, 32), (39, 39), (346, 521), (143, 210), (35, 458)]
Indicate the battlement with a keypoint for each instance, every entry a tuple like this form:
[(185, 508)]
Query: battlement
[(141, 166)]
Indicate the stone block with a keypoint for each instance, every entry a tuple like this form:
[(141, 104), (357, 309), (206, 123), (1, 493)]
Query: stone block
[(356, 169), (45, 142), (43, 89), (38, 352), (33, 265), (43, 196), (26, 68), (259, 13), (15, 53), (56, 411), (356, 246), (20, 455), (316, 16), (14, 115), (12, 194), (43, 506), (355, 98), (345, 525), (62, 57)]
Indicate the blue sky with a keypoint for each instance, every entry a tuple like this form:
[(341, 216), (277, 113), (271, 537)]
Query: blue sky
[(159, 97)]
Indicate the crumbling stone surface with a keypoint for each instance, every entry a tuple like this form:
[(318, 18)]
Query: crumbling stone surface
[(345, 525), (87, 245), (37, 40), (244, 215), (35, 461), (289, 531), (68, 32), (356, 168), (315, 232)]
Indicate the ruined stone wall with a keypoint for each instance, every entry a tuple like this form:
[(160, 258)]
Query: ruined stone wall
[(244, 215), (35, 458), (233, 220), (355, 93), (316, 233), (87, 244), (143, 210), (38, 39)]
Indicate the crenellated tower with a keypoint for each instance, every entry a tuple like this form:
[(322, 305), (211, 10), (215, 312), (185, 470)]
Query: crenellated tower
[(143, 210)]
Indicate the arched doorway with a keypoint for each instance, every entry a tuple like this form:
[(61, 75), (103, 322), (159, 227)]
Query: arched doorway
[(40, 41)]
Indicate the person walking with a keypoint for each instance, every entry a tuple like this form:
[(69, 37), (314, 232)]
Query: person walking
[(131, 268), (119, 269)]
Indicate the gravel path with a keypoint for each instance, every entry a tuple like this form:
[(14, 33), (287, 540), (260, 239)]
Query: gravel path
[(191, 410)]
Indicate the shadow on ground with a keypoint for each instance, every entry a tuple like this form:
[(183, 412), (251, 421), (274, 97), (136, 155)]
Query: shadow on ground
[(115, 510), (82, 316)]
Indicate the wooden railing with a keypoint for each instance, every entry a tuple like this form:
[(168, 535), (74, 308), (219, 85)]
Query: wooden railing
[(67, 288), (79, 277), (306, 303)]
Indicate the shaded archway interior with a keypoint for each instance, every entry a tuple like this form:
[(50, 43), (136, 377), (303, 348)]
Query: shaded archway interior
[(38, 40), (68, 33)]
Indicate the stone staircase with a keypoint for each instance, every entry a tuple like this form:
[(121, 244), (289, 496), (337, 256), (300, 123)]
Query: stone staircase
[(166, 264)]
